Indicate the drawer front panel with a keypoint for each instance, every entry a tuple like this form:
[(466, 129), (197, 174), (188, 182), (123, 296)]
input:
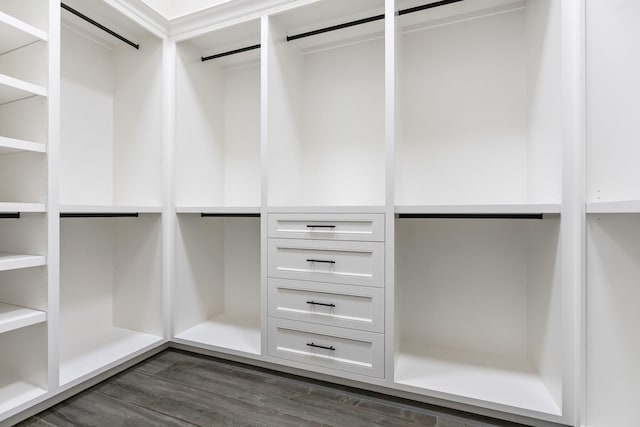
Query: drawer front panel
[(357, 263), (355, 307), (364, 227), (334, 348)]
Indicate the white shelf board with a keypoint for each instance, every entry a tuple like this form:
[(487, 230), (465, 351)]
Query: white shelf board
[(526, 208), (22, 207), (103, 350), (479, 377), (109, 209), (13, 317), (14, 393), (617, 206), (15, 33), (219, 209), (12, 89), (11, 146), (225, 331), (326, 209), (15, 261)]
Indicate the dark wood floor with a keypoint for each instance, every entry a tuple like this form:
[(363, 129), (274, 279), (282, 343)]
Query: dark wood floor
[(176, 388)]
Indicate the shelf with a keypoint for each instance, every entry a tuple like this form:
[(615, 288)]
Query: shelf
[(499, 209), (227, 332), (22, 207), (488, 378), (12, 89), (617, 206), (103, 350), (326, 209), (13, 317), (218, 210), (12, 145), (110, 209), (14, 393), (15, 33), (16, 261)]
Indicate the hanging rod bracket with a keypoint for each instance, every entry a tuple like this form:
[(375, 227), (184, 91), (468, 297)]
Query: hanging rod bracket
[(99, 25)]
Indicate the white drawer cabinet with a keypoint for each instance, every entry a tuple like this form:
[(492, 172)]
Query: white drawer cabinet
[(327, 347), (363, 227), (356, 263), (355, 307)]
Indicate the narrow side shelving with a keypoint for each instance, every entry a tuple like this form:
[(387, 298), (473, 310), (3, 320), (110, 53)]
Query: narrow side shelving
[(12, 89), (14, 317), (14, 145), (15, 33)]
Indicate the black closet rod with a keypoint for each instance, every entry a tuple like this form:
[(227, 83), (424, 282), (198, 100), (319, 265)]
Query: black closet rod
[(99, 215), (229, 215), (231, 52), (370, 19), (97, 24), (472, 216), (336, 27), (10, 215)]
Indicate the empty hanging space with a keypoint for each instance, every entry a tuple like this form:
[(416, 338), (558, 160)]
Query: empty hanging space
[(479, 313), (326, 105), (612, 102), (479, 106), (111, 112), (217, 298), (110, 292), (218, 118), (612, 318)]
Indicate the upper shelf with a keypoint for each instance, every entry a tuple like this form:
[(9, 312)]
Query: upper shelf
[(224, 210), (109, 209), (13, 317), (501, 209), (22, 207), (617, 206), (15, 33), (12, 89), (12, 145), (16, 261)]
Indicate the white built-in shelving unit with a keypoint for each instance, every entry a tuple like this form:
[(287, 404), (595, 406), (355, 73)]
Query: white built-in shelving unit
[(326, 107), (218, 190), (478, 193), (111, 192), (24, 234), (613, 214)]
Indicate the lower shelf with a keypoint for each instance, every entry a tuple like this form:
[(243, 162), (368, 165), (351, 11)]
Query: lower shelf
[(15, 261), (14, 393), (104, 350), (13, 317), (489, 378), (226, 331)]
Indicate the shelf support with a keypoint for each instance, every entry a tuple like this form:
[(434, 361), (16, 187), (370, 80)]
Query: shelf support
[(97, 24)]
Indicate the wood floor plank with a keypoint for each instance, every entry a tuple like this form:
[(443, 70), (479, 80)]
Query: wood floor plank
[(91, 409)]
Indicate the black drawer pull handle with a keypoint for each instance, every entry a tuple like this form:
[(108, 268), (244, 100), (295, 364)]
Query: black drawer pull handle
[(320, 226), (321, 303), (332, 348), (321, 260)]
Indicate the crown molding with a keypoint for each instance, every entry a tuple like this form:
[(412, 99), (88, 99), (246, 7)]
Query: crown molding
[(143, 14)]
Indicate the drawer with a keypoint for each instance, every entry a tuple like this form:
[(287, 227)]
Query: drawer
[(346, 350), (365, 227), (355, 263), (346, 306)]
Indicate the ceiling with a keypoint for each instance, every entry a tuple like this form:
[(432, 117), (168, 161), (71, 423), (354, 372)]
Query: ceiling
[(172, 9)]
